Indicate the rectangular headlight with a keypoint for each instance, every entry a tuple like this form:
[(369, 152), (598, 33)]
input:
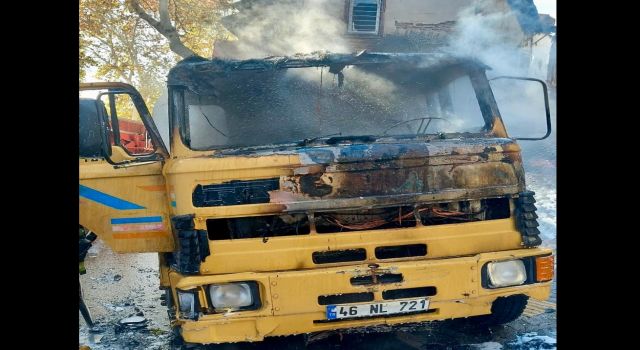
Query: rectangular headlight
[(506, 273), (241, 295)]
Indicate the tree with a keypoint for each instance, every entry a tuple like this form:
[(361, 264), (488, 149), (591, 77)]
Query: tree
[(138, 41)]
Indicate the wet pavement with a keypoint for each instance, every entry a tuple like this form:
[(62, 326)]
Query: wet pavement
[(119, 286)]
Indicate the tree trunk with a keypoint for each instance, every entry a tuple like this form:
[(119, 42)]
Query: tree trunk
[(164, 27)]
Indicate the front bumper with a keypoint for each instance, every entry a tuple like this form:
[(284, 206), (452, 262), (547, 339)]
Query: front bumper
[(290, 299)]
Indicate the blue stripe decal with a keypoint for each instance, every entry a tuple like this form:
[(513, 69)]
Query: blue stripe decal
[(139, 220), (105, 199)]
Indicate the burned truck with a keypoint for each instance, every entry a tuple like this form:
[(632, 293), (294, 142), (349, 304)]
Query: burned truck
[(319, 192)]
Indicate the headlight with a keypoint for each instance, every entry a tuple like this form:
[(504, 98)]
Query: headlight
[(187, 304), (506, 273), (233, 295)]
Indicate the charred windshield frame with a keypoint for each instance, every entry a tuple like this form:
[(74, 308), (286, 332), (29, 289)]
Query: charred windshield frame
[(177, 115), (194, 77)]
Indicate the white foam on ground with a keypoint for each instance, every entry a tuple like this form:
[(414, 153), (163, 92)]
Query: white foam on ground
[(546, 204), (533, 339), (491, 345)]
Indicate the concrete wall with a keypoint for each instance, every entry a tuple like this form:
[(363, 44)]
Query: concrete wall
[(302, 26), (421, 11)]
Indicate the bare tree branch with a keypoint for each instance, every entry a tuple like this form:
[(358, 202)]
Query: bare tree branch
[(165, 17), (164, 27), (176, 18)]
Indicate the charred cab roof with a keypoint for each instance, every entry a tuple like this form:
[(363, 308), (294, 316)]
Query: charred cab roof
[(195, 72)]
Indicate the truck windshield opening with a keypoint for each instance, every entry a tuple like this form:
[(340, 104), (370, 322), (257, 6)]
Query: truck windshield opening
[(255, 108)]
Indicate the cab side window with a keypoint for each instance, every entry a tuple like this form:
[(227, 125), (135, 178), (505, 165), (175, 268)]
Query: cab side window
[(126, 127)]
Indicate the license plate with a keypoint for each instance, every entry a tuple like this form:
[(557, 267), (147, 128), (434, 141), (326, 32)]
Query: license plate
[(376, 309)]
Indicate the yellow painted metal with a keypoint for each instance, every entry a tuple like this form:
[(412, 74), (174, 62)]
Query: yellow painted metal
[(142, 185), (290, 298), (185, 174), (118, 155), (498, 129), (295, 252)]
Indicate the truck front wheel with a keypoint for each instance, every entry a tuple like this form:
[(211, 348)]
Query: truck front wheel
[(503, 310)]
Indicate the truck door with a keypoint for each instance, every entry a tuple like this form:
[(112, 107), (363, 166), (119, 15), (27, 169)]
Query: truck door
[(123, 195)]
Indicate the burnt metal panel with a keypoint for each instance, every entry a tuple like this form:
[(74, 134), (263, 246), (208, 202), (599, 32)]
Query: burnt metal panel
[(198, 73), (395, 169), (234, 192)]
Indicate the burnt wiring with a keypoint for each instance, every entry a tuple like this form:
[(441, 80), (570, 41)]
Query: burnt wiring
[(430, 211), (273, 227)]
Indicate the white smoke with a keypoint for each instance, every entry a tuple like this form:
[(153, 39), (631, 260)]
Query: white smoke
[(492, 35), (285, 28), (495, 38), (485, 31), (160, 114)]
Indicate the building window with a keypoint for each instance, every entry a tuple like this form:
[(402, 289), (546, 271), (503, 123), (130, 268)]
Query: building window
[(364, 16)]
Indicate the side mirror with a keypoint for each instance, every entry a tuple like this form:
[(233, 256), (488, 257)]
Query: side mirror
[(94, 132), (520, 100)]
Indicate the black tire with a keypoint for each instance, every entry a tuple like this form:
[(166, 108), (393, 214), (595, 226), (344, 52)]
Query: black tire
[(503, 310)]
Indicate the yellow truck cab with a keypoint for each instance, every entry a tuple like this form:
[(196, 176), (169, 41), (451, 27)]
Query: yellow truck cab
[(318, 192)]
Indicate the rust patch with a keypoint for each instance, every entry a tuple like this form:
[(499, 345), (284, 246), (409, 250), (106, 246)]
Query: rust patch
[(485, 153), (372, 175), (313, 185), (483, 175), (512, 156), (506, 160)]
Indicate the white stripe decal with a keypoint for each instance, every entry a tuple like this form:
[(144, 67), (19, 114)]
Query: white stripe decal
[(137, 227)]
